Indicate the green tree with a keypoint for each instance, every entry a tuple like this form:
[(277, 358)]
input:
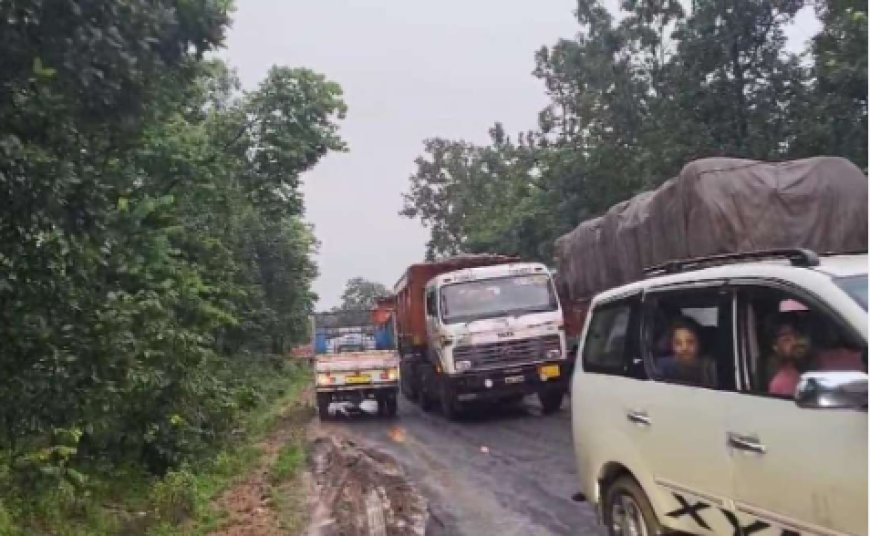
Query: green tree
[(79, 79), (832, 116), (152, 239), (734, 82), (470, 196), (360, 294), (633, 98)]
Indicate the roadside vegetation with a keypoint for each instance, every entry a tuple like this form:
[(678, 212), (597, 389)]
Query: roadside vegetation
[(155, 266)]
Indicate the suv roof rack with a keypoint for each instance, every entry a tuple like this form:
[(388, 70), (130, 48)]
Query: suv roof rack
[(804, 258), (848, 252)]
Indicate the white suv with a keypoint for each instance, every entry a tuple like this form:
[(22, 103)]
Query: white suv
[(727, 395)]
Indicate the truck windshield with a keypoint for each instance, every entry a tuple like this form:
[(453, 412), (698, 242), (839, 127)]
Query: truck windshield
[(490, 298), (856, 287)]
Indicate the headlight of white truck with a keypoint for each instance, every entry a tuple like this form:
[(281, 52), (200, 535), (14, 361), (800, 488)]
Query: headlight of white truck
[(462, 366)]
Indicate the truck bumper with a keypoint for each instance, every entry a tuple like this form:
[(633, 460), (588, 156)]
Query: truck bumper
[(505, 383), (357, 393)]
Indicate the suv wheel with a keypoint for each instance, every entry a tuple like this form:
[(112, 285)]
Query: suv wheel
[(627, 511)]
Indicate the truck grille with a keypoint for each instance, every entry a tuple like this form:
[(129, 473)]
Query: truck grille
[(507, 352)]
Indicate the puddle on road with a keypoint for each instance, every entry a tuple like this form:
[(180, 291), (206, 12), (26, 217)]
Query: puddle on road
[(396, 434)]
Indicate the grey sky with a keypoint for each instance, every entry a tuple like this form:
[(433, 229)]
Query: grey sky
[(410, 70)]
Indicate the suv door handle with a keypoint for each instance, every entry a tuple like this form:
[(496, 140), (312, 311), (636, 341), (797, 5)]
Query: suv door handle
[(746, 443), (638, 417)]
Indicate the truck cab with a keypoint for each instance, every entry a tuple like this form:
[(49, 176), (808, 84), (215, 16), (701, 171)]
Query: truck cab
[(492, 333)]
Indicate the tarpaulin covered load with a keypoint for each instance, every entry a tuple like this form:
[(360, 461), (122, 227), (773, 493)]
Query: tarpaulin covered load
[(716, 206)]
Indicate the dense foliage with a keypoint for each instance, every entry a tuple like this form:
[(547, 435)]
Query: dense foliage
[(151, 234), (636, 96), (360, 294)]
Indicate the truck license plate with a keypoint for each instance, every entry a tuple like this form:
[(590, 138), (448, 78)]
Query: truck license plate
[(549, 371), (360, 378), (514, 379)]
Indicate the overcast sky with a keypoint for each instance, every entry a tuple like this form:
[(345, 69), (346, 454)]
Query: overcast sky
[(410, 70)]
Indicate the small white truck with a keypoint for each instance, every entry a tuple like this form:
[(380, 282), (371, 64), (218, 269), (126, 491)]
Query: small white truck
[(355, 361)]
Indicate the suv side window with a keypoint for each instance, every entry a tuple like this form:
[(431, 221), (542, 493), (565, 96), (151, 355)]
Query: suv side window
[(688, 337), (611, 344), (784, 335)]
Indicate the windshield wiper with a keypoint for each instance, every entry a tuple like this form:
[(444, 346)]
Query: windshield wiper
[(525, 312), (513, 313), (473, 320)]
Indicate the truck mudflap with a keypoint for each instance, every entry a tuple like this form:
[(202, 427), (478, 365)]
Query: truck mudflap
[(544, 377)]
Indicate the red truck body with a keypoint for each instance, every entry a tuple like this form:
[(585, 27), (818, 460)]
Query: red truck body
[(410, 291)]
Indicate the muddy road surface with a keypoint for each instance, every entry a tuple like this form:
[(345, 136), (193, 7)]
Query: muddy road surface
[(503, 472)]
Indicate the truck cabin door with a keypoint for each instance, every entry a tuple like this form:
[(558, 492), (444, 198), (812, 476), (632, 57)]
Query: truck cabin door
[(431, 313)]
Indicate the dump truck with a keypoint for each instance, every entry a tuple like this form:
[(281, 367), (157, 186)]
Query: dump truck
[(479, 328), (355, 360), (714, 206)]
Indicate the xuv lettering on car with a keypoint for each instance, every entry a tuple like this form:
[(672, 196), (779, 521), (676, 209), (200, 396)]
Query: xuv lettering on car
[(695, 511)]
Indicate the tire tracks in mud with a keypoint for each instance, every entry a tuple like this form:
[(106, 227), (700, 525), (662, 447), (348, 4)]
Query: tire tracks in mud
[(357, 490)]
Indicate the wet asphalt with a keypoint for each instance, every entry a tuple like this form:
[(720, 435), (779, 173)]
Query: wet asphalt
[(497, 471)]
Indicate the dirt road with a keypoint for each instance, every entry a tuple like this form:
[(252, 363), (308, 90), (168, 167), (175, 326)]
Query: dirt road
[(505, 473)]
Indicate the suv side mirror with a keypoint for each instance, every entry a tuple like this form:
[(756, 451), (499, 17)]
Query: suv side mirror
[(832, 390)]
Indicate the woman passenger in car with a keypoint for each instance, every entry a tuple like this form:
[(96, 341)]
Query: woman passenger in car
[(686, 364)]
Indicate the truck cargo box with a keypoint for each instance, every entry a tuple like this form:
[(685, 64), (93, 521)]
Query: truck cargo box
[(716, 206)]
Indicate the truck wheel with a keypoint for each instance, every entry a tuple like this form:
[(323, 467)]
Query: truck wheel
[(406, 391), (627, 510), (551, 400), (391, 405), (406, 385), (426, 402), (449, 407), (323, 400), (387, 404), (425, 379)]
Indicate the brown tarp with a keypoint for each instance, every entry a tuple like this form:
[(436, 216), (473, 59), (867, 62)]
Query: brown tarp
[(714, 206)]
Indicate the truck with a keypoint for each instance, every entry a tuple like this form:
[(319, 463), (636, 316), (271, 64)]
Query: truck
[(714, 206), (354, 360), (479, 328)]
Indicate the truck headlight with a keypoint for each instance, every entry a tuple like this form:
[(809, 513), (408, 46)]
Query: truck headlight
[(554, 354), (393, 374), (462, 366)]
